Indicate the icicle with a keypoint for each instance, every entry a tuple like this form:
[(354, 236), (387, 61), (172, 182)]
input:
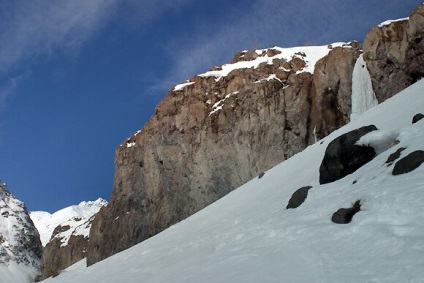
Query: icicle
[(363, 97)]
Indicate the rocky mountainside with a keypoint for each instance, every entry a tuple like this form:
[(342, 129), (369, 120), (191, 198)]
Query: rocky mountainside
[(218, 130), (20, 246), (64, 235), (365, 224)]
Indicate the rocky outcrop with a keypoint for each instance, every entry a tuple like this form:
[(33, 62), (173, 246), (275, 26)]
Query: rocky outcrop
[(345, 215), (343, 156), (417, 117), (298, 197), (19, 239), (331, 101), (409, 163), (214, 133), (58, 255), (394, 54)]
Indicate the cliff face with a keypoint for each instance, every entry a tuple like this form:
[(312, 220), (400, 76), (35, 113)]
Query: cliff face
[(224, 127), (217, 131), (394, 52), (331, 101)]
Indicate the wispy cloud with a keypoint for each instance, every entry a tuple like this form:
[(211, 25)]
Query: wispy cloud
[(30, 29), (33, 28)]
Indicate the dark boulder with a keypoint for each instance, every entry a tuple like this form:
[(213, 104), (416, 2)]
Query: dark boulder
[(343, 157), (298, 197), (409, 163), (417, 117), (345, 215)]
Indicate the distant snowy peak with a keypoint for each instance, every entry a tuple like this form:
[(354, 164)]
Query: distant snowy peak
[(20, 247), (253, 58), (74, 216)]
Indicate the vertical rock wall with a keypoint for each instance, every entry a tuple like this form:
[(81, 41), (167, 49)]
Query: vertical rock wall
[(394, 53)]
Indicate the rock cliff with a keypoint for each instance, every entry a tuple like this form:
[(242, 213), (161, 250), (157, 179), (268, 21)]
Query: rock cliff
[(220, 129), (394, 53)]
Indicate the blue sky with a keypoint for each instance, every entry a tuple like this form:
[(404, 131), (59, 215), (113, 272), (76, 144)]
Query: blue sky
[(78, 77)]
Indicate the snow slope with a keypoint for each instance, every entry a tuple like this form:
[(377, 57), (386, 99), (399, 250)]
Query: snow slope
[(73, 216), (249, 236)]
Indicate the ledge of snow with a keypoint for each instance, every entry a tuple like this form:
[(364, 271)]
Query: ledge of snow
[(388, 22), (180, 87)]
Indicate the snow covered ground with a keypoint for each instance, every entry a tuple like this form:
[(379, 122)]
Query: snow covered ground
[(249, 236), (46, 222)]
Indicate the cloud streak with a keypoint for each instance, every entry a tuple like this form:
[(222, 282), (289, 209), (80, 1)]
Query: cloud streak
[(33, 28)]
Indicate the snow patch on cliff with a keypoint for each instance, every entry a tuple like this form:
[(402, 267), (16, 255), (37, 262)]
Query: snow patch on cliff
[(180, 87), (388, 22)]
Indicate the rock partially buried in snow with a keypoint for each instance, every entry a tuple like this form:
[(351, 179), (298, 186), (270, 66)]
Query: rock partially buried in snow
[(409, 163), (417, 117), (395, 155), (345, 215), (343, 156), (379, 140), (298, 197)]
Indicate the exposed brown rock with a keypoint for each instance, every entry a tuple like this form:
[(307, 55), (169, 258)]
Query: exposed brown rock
[(56, 258), (394, 54), (58, 255), (333, 89)]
